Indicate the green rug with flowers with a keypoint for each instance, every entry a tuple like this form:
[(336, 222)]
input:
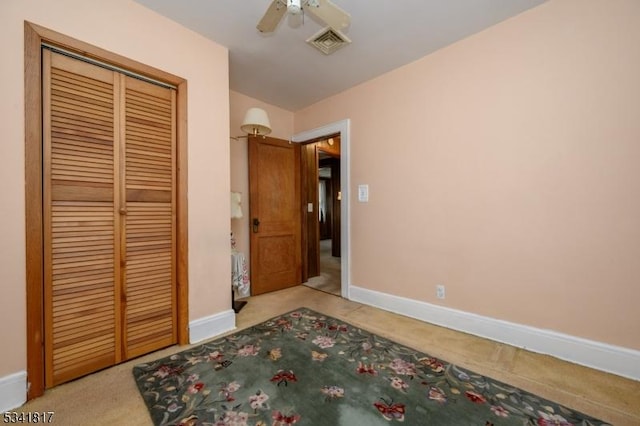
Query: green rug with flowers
[(306, 368)]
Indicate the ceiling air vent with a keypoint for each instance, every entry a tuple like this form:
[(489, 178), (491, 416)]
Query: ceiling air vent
[(328, 40)]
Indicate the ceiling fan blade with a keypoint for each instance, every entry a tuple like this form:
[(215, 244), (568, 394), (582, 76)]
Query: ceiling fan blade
[(331, 14), (272, 17)]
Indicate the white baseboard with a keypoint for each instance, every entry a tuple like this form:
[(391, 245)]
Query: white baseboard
[(618, 360), (13, 388), (211, 326), (13, 391)]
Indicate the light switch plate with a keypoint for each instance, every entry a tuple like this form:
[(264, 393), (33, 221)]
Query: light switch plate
[(363, 193)]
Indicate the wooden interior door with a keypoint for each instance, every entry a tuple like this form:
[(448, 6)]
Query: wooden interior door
[(275, 214), (108, 217), (336, 219)]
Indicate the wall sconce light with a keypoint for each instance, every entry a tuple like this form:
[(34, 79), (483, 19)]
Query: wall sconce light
[(255, 123)]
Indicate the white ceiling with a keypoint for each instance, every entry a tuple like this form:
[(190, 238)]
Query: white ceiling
[(282, 69)]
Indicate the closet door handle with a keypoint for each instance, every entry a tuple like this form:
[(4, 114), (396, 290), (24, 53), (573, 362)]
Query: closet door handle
[(256, 224)]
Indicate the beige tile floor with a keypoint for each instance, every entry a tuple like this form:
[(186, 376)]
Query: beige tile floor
[(329, 279), (111, 397)]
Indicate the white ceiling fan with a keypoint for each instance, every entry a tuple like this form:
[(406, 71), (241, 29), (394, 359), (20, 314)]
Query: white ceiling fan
[(324, 10)]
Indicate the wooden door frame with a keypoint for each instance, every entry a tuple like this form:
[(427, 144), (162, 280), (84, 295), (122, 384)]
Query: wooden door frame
[(309, 192), (34, 37)]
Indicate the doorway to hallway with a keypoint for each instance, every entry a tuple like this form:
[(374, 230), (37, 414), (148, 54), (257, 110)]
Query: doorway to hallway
[(338, 246)]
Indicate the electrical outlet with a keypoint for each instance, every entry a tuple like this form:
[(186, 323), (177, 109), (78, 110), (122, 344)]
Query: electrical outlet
[(440, 291)]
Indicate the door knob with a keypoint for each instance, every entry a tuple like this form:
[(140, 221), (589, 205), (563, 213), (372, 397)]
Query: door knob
[(256, 224)]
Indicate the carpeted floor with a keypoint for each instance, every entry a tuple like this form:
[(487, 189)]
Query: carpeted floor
[(329, 279)]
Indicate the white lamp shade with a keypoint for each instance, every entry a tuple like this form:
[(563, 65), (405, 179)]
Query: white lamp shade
[(236, 205), (256, 122)]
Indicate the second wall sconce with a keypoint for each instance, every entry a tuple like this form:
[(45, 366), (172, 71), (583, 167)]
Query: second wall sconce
[(255, 123)]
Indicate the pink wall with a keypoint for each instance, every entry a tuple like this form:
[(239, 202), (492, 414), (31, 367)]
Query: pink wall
[(282, 128), (126, 28), (509, 161)]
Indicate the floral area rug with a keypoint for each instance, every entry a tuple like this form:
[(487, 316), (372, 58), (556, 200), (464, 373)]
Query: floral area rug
[(306, 368)]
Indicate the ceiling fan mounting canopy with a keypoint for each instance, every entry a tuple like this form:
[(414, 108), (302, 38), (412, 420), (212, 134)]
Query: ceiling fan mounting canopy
[(324, 10)]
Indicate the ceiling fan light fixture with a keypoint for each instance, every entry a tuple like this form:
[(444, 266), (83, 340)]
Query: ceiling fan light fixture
[(324, 10), (294, 7)]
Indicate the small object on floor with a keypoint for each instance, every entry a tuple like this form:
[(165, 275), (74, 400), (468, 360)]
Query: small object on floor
[(238, 305)]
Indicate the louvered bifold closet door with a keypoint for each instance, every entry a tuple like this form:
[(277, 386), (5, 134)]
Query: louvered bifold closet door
[(149, 223), (80, 115), (109, 186)]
